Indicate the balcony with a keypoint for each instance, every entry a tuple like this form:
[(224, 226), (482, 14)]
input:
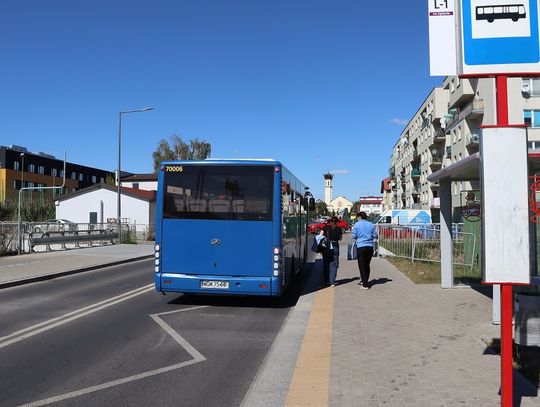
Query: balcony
[(462, 94), (439, 137), (472, 140), (449, 152), (415, 173), (415, 156), (473, 110), (416, 205), (436, 162)]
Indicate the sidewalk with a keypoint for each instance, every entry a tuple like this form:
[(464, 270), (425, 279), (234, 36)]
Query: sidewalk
[(16, 270), (401, 344)]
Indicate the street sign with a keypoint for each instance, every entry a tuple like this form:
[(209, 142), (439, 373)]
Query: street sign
[(499, 36), (505, 206), (442, 38)]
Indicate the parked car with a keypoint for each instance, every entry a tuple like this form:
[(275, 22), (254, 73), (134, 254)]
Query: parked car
[(54, 225), (317, 227)]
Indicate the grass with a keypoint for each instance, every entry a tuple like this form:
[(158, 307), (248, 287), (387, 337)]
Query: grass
[(423, 272)]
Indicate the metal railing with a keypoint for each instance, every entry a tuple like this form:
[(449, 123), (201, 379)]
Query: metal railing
[(43, 236), (423, 242)]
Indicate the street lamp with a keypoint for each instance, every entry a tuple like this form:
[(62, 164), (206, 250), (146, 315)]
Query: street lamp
[(22, 169), (118, 207)]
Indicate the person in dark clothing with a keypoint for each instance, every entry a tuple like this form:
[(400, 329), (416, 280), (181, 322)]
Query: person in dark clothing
[(331, 256)]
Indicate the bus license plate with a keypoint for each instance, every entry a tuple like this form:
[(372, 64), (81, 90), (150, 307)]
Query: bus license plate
[(215, 284)]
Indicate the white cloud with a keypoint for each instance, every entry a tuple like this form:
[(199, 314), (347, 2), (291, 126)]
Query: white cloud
[(399, 122), (339, 171)]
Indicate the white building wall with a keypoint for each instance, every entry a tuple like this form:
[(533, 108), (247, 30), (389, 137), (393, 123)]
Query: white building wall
[(77, 209)]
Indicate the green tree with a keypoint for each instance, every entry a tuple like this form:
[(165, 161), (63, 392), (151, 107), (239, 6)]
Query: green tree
[(177, 149), (321, 208)]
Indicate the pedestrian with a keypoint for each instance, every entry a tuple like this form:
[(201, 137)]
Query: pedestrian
[(364, 232), (331, 256)]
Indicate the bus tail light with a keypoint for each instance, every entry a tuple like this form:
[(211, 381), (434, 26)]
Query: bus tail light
[(157, 255), (277, 260)]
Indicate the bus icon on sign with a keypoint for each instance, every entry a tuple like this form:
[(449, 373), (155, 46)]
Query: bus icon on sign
[(501, 12)]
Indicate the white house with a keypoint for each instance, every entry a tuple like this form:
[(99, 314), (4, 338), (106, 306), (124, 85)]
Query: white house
[(98, 204), (371, 204), (339, 205)]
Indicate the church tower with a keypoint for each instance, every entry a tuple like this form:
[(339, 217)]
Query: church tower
[(328, 188)]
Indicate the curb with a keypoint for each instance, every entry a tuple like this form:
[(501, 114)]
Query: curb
[(72, 271)]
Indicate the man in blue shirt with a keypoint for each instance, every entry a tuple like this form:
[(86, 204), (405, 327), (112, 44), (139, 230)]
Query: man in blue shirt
[(364, 233)]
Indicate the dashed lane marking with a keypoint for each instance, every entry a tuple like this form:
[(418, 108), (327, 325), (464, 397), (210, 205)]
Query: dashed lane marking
[(70, 316)]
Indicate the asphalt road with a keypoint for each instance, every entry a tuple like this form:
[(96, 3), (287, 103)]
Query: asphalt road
[(106, 338)]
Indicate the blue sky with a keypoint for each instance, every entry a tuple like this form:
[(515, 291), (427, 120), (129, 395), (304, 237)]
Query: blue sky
[(321, 85)]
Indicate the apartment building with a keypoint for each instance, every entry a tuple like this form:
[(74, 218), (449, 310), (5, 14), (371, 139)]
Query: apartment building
[(446, 129), (418, 153), (22, 168)]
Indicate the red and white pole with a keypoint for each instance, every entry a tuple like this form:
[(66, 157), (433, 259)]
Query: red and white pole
[(507, 304)]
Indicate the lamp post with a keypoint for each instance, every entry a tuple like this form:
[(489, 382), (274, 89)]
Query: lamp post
[(19, 221), (119, 192)]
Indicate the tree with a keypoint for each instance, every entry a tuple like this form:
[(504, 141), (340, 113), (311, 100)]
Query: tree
[(321, 208), (177, 149)]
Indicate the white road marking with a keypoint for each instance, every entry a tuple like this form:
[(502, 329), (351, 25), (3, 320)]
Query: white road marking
[(197, 357), (70, 316)]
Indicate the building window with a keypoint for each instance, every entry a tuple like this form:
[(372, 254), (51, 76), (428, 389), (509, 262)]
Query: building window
[(61, 173), (531, 86), (73, 175), (41, 169), (16, 165), (31, 168), (94, 179), (531, 118), (54, 172), (102, 180), (135, 185), (81, 177)]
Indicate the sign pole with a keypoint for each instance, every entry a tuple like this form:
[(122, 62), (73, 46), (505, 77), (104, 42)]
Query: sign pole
[(507, 369)]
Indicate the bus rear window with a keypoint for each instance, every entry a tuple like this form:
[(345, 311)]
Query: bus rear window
[(219, 192)]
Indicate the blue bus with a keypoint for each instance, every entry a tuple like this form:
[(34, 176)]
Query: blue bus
[(229, 227)]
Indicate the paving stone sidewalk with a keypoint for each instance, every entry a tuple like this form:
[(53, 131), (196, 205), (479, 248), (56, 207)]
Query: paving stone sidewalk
[(401, 344)]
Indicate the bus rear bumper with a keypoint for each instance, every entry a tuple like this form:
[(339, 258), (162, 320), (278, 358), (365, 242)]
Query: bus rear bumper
[(187, 283)]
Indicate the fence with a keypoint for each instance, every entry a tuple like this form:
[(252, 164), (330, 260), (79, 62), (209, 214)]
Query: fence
[(50, 236), (423, 242)]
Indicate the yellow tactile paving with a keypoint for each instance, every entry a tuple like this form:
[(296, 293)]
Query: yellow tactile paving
[(311, 378)]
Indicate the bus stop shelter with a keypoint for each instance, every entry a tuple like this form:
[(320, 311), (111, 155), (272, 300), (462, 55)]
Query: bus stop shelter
[(468, 169)]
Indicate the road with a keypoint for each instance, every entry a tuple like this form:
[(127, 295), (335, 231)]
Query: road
[(105, 338)]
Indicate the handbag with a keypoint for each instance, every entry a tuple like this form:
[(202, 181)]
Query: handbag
[(320, 244), (375, 248), (352, 254)]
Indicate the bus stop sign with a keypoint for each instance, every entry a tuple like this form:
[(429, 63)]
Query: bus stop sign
[(499, 36)]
